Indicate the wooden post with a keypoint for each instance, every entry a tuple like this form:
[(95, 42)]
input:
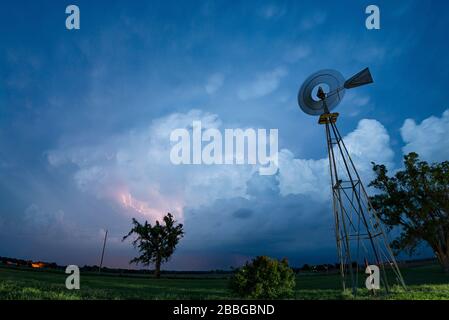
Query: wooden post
[(102, 253)]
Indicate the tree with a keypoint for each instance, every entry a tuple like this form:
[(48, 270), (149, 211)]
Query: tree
[(416, 199), (155, 243), (305, 267), (264, 278)]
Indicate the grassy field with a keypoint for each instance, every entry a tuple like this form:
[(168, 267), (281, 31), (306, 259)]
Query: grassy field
[(427, 282)]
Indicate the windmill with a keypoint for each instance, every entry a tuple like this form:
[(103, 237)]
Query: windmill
[(359, 235)]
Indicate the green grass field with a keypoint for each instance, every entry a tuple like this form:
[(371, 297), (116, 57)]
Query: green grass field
[(427, 282)]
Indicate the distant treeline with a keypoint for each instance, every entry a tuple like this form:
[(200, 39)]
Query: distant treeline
[(52, 265), (305, 268), (28, 263)]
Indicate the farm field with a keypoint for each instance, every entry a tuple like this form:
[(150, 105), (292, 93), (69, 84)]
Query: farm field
[(425, 282)]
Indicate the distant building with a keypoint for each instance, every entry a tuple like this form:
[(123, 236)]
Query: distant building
[(38, 265)]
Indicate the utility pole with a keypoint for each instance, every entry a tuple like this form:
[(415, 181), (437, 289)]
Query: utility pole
[(102, 252)]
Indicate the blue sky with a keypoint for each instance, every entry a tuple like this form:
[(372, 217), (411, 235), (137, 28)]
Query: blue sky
[(85, 118)]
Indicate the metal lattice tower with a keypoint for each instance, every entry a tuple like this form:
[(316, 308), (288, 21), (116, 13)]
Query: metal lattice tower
[(359, 235), (358, 230)]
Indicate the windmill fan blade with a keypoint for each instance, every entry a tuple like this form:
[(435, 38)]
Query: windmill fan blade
[(359, 79), (306, 98)]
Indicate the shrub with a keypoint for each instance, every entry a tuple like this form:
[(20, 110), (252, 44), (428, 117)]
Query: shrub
[(264, 278)]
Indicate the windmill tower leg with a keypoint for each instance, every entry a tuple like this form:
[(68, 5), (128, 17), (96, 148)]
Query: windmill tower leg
[(341, 241), (357, 226)]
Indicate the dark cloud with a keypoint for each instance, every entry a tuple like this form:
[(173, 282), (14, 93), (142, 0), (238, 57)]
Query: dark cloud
[(290, 226), (242, 213)]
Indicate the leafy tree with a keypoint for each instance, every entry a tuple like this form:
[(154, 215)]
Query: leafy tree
[(416, 199), (264, 278), (305, 267), (155, 243)]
